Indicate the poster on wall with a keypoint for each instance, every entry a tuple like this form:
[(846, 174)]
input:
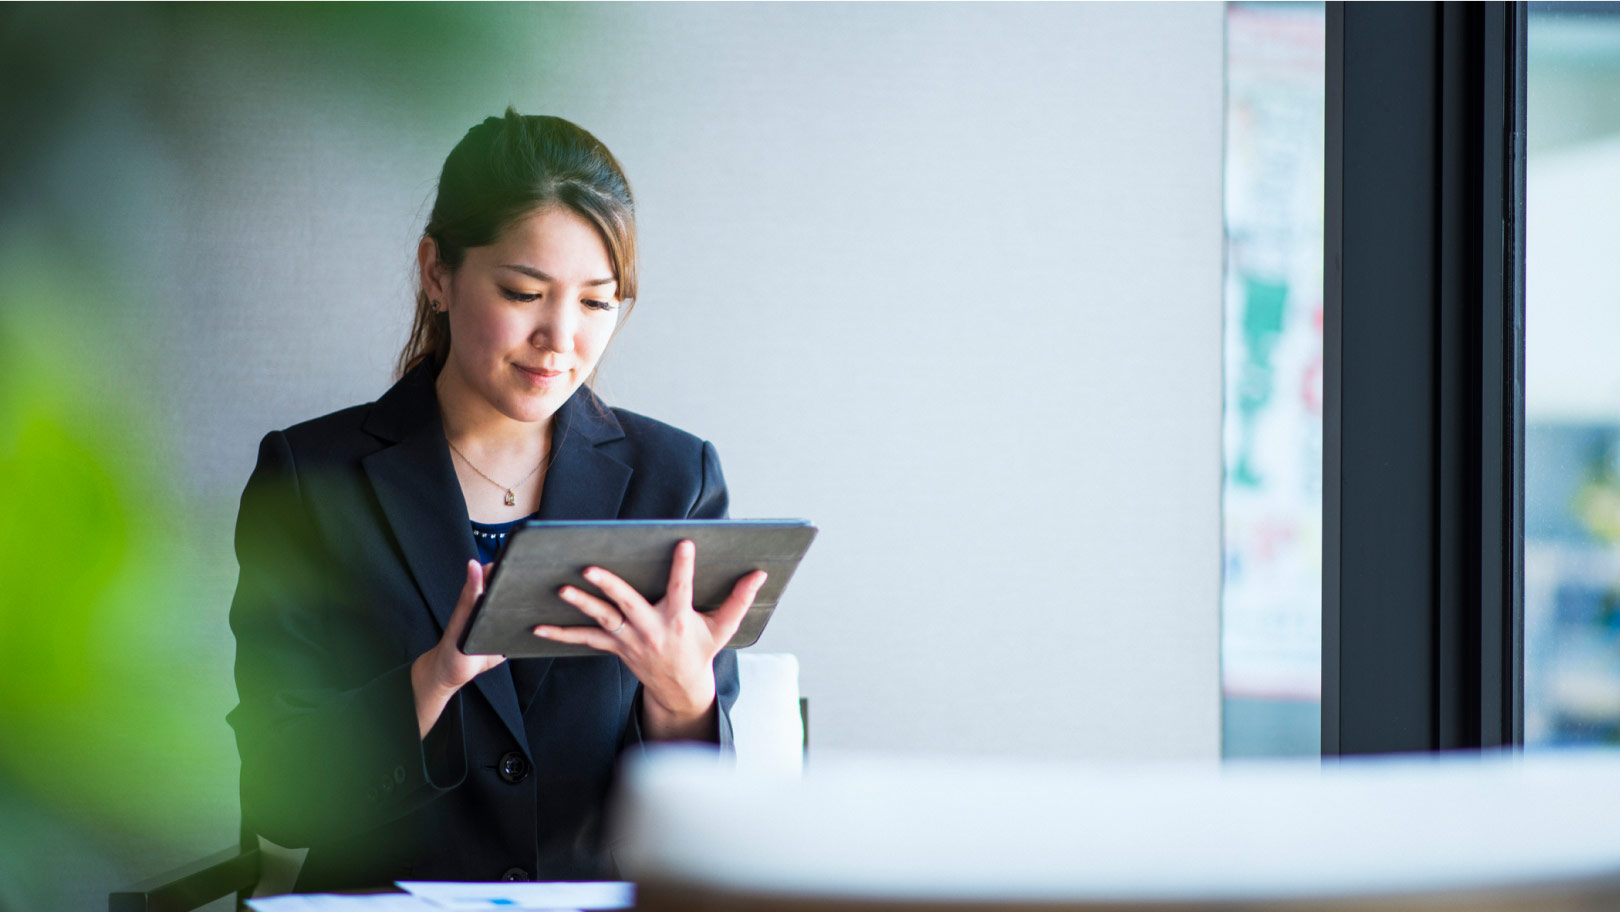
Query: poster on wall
[(1271, 630)]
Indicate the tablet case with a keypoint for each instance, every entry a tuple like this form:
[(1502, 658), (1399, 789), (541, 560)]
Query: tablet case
[(541, 557)]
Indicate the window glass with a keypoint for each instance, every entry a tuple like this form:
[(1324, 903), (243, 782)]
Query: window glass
[(1271, 631), (1572, 377)]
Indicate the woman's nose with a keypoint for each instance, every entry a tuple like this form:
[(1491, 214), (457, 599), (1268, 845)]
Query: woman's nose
[(555, 331)]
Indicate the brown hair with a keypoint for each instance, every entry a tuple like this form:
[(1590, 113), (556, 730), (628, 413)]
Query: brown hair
[(502, 170)]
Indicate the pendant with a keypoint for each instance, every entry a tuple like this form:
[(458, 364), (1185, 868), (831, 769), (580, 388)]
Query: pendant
[(510, 500)]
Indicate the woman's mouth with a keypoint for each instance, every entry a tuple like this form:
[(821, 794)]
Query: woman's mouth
[(540, 377)]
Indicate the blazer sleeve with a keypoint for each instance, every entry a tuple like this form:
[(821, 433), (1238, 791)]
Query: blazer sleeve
[(323, 755), (712, 502)]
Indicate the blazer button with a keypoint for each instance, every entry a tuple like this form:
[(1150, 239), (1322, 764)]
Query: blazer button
[(515, 874), (514, 768)]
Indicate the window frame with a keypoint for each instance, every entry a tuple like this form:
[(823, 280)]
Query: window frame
[(1423, 400)]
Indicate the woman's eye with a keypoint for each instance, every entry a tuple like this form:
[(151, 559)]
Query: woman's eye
[(597, 305), (511, 295)]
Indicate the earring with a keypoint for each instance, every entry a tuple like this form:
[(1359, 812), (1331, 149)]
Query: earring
[(436, 308)]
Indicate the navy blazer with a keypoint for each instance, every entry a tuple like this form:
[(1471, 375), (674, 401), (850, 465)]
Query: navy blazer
[(353, 540)]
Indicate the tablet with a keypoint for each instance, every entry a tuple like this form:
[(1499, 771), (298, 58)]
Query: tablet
[(540, 557)]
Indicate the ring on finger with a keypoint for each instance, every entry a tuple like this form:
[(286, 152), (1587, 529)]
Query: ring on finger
[(622, 621)]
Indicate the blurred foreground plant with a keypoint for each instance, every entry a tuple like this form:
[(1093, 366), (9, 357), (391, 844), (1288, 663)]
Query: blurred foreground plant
[(103, 729)]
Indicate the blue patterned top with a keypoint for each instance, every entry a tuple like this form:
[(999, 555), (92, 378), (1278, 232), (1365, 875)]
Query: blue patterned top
[(490, 536)]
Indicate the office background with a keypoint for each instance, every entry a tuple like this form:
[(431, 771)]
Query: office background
[(944, 279)]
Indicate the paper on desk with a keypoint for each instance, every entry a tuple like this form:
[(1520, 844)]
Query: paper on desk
[(333, 902), (520, 895)]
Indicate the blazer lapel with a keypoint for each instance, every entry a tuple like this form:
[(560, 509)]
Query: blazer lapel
[(583, 482), (417, 488)]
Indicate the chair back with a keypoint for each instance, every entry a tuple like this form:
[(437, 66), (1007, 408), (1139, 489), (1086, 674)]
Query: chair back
[(767, 724)]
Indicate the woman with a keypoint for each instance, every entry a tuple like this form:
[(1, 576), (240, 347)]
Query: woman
[(364, 536)]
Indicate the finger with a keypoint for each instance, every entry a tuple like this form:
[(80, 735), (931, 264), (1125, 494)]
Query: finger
[(470, 591), (678, 597), (594, 637), (605, 615), (724, 620), (624, 596)]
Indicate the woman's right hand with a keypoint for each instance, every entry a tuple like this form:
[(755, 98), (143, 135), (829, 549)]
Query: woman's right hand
[(437, 674)]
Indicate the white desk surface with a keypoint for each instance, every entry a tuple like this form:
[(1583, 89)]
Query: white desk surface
[(970, 831)]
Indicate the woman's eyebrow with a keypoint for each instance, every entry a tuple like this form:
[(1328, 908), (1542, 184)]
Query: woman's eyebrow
[(537, 274)]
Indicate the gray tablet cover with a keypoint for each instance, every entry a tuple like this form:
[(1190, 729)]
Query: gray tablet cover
[(541, 557)]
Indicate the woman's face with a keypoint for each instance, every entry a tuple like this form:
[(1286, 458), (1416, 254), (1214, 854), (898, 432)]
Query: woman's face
[(530, 314)]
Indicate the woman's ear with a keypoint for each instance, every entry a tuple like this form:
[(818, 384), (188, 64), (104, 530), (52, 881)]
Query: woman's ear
[(434, 274)]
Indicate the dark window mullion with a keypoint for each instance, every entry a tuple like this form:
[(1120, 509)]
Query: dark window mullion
[(1420, 562), (1501, 352)]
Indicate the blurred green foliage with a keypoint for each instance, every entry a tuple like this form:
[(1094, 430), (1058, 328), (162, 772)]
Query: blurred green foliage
[(111, 751), (98, 728), (422, 63)]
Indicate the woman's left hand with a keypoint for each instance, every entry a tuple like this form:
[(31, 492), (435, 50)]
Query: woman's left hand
[(669, 646)]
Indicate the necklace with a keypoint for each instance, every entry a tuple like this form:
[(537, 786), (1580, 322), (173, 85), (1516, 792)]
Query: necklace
[(511, 498)]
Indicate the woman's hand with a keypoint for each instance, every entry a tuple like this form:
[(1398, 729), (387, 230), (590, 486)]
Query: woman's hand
[(670, 647), (437, 674)]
